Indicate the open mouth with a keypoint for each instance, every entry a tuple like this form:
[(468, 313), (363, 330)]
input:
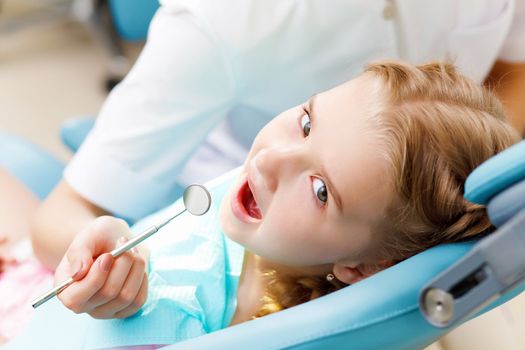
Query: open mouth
[(246, 198)]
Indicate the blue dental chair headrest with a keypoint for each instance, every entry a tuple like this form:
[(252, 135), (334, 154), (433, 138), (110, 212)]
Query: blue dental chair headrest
[(499, 184), (380, 312)]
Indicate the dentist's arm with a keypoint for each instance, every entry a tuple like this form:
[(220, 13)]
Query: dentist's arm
[(508, 81), (179, 90), (61, 216)]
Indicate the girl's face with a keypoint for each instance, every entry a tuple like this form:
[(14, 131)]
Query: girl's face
[(314, 183)]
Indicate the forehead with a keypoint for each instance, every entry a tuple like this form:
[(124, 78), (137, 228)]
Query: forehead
[(351, 149)]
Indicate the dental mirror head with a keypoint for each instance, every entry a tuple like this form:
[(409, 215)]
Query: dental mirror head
[(197, 199)]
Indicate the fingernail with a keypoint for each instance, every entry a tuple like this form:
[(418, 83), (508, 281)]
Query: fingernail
[(77, 267), (106, 262), (135, 250), (121, 241)]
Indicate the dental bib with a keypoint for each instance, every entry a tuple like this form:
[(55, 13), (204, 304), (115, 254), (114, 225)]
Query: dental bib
[(193, 275)]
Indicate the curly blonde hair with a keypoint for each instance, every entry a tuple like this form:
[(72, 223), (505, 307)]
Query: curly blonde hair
[(436, 126)]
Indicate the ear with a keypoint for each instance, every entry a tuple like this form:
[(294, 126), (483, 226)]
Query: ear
[(351, 273)]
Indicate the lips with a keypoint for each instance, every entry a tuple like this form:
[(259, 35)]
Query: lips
[(244, 205)]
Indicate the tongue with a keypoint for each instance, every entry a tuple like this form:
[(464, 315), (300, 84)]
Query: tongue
[(252, 208), (249, 203)]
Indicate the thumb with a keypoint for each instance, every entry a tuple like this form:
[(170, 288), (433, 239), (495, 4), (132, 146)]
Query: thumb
[(80, 260)]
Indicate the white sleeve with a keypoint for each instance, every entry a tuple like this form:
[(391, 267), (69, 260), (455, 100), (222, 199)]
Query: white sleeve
[(178, 90), (513, 49)]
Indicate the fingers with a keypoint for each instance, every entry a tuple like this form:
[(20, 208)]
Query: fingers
[(80, 254), (119, 282), (112, 286), (79, 261), (140, 299), (94, 240), (131, 297), (78, 294), (108, 285)]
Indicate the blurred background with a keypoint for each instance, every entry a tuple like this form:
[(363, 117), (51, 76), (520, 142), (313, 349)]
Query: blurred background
[(59, 59)]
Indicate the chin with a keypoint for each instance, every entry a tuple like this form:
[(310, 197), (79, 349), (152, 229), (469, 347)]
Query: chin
[(224, 213)]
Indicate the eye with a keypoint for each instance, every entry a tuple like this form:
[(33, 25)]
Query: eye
[(305, 124), (320, 190)]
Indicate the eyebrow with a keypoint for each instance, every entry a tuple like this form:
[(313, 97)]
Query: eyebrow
[(331, 188)]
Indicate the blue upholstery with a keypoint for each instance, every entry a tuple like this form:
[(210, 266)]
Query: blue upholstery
[(377, 313), (132, 18), (37, 169), (74, 131), (380, 312), (507, 204), (496, 174)]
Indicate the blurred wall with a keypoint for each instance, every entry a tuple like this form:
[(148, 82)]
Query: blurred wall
[(51, 69)]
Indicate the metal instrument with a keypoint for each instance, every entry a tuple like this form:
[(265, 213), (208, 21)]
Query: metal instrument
[(493, 267), (197, 201)]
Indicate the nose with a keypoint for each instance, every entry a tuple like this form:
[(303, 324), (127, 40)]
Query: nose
[(278, 164)]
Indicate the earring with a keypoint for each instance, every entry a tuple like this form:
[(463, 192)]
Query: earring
[(330, 277)]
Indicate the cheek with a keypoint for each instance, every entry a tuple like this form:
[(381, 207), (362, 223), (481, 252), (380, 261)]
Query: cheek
[(290, 216), (302, 229), (296, 240), (224, 214)]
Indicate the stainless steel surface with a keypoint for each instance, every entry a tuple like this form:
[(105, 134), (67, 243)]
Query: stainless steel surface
[(438, 306), (137, 239), (45, 297), (197, 199)]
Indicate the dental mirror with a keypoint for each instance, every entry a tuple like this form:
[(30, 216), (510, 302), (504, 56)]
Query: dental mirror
[(197, 200)]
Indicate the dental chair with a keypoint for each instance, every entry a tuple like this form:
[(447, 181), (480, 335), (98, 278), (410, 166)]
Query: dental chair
[(382, 311), (113, 21)]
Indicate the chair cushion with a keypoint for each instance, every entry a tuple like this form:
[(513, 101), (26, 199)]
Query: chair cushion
[(132, 22), (507, 204), (75, 130), (496, 174), (380, 312), (36, 168)]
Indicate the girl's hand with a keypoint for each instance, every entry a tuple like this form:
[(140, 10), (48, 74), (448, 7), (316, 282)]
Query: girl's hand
[(105, 287)]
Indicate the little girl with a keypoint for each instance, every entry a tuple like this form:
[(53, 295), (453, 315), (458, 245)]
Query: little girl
[(351, 182)]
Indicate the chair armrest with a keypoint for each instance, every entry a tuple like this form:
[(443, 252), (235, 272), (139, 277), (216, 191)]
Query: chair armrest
[(36, 168), (74, 131)]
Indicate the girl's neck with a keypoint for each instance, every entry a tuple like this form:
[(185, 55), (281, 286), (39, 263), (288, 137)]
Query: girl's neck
[(253, 282), (250, 290)]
